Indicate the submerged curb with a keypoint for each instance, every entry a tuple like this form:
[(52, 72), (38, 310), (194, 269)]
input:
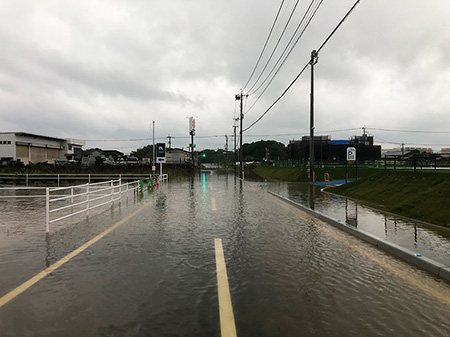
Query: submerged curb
[(427, 264)]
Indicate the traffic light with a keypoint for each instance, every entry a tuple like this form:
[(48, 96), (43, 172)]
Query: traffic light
[(204, 155)]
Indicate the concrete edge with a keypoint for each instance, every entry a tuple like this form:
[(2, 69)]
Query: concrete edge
[(424, 263)]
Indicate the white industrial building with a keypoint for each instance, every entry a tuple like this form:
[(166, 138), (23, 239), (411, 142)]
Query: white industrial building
[(177, 156), (31, 148)]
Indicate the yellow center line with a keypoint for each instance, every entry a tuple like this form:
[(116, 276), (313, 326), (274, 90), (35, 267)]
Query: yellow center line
[(24, 286), (213, 204), (227, 325), (441, 297)]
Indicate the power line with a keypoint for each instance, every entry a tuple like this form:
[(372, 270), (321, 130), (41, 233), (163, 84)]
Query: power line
[(276, 45), (407, 143), (280, 97), (284, 51), (339, 25), (306, 65), (410, 131), (307, 17), (265, 45)]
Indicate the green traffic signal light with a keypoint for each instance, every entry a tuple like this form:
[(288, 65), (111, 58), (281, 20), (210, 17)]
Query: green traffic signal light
[(204, 155)]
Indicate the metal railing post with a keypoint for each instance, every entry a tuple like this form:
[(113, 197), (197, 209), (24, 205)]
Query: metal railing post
[(112, 192), (87, 201), (120, 188), (47, 209)]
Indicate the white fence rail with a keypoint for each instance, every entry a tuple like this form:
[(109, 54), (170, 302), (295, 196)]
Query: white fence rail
[(64, 202), (60, 179)]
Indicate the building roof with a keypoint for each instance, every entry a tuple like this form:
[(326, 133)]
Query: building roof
[(173, 150), (26, 134), (339, 142)]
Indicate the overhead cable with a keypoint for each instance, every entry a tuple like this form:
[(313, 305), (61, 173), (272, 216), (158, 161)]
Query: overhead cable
[(284, 51), (276, 45), (280, 97), (265, 45), (307, 17), (410, 131), (304, 68)]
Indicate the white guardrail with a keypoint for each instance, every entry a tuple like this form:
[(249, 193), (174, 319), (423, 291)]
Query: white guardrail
[(59, 178), (65, 202)]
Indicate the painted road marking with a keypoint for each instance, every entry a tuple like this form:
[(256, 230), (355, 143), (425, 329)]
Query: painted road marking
[(227, 325), (24, 286), (213, 204), (443, 298)]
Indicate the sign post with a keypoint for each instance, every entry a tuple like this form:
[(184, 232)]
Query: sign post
[(160, 155), (351, 159), (192, 133)]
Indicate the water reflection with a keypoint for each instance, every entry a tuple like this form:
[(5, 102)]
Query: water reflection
[(351, 213), (428, 241)]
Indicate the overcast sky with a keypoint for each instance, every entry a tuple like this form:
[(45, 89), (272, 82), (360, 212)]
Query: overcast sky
[(102, 71)]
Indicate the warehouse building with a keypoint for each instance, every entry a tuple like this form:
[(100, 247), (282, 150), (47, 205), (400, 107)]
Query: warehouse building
[(32, 148), (329, 150)]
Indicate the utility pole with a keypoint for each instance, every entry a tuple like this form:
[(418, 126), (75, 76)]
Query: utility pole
[(314, 60), (153, 148), (226, 152), (235, 140), (240, 97)]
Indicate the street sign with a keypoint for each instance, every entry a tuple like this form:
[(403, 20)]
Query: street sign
[(351, 154), (192, 126), (160, 153), (191, 145)]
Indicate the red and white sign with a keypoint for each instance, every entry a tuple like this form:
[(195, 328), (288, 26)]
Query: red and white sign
[(191, 124)]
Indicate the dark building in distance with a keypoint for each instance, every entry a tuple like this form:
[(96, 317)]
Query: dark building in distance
[(328, 150)]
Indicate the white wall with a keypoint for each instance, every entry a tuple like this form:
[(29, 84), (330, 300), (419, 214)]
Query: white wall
[(7, 145)]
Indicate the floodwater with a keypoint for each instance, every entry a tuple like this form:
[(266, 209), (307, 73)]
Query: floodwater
[(155, 274), (432, 242)]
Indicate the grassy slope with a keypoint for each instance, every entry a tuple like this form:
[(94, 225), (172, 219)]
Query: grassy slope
[(422, 195), (294, 174), (299, 174)]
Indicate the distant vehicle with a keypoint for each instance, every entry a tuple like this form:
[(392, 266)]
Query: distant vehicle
[(132, 161), (121, 161), (61, 162)]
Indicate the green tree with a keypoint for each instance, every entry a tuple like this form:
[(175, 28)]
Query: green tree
[(143, 152), (257, 150)]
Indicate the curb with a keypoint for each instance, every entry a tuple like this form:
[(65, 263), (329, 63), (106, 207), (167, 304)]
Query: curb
[(429, 265)]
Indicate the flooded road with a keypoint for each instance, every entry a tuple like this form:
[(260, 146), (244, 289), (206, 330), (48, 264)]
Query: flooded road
[(154, 274), (429, 241)]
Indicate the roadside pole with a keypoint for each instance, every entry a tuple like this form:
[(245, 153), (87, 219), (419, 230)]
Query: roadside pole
[(160, 156)]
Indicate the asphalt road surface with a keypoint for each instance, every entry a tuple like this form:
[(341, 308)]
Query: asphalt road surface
[(158, 266)]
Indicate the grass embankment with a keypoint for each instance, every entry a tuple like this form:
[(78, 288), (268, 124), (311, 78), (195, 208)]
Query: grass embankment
[(419, 195), (422, 195), (300, 174)]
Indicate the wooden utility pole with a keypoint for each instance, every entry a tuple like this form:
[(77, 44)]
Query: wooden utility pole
[(314, 59), (240, 97)]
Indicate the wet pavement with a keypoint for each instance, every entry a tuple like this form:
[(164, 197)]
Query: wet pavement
[(155, 274), (430, 241)]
